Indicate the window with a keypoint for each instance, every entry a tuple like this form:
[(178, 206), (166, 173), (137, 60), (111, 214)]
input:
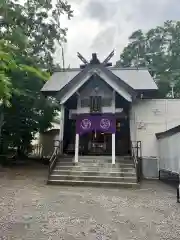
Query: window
[(95, 104)]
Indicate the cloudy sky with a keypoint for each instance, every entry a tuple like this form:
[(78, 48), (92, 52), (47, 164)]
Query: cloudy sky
[(102, 25)]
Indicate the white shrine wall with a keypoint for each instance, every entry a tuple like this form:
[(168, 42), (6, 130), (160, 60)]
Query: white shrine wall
[(148, 117), (169, 153)]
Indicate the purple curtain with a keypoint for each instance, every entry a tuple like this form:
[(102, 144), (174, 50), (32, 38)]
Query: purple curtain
[(103, 123)]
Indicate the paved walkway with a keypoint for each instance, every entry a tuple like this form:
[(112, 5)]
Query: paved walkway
[(29, 209)]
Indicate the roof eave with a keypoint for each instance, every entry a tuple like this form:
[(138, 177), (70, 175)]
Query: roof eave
[(49, 93)]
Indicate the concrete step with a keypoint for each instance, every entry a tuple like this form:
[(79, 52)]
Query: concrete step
[(95, 164), (104, 157), (94, 173), (94, 183), (118, 158), (109, 160), (94, 168), (104, 161), (125, 159), (86, 160), (92, 178)]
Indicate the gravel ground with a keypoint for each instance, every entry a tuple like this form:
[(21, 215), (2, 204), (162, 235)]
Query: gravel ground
[(30, 209)]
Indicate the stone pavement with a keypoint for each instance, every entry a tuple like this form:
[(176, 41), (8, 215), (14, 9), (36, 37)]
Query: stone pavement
[(30, 209)]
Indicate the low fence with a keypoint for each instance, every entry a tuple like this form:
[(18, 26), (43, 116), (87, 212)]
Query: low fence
[(40, 151), (169, 157)]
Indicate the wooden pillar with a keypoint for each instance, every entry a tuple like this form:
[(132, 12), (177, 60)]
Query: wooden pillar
[(113, 148), (76, 148), (61, 132)]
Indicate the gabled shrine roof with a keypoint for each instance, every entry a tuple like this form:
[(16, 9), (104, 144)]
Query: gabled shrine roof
[(58, 80), (137, 79)]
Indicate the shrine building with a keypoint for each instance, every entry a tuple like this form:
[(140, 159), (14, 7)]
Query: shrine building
[(105, 109)]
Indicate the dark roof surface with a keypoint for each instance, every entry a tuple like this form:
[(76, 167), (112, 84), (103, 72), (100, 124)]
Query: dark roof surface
[(168, 133), (137, 79)]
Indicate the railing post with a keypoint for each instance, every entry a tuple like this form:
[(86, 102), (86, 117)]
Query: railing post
[(178, 199), (54, 155), (137, 157)]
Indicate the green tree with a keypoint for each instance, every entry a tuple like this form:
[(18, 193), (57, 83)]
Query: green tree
[(7, 63), (31, 31), (24, 111), (159, 51), (35, 27)]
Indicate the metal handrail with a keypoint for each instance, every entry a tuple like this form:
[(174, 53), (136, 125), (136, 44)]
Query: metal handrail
[(136, 153), (57, 151)]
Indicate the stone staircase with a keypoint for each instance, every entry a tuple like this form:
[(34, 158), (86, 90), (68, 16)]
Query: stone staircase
[(94, 171)]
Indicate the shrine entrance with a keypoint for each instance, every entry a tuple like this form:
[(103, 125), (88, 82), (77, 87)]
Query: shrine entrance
[(100, 135), (96, 140), (96, 143), (95, 131)]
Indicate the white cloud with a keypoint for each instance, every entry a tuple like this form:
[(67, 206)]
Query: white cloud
[(102, 25)]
